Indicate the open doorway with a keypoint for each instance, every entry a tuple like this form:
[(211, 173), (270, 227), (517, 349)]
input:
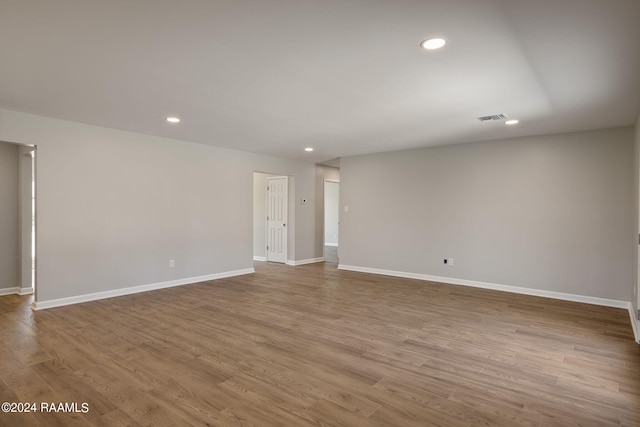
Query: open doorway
[(17, 219), (331, 220), (28, 219)]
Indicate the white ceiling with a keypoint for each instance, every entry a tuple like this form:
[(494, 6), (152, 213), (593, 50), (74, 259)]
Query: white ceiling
[(344, 76)]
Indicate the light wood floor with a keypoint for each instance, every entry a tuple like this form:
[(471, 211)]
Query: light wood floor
[(310, 345)]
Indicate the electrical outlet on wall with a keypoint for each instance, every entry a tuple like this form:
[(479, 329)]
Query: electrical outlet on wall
[(172, 263)]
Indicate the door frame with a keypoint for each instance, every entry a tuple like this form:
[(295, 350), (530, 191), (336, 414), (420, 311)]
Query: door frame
[(324, 216), (26, 220), (286, 228)]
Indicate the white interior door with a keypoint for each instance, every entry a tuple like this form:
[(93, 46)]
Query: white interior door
[(277, 207)]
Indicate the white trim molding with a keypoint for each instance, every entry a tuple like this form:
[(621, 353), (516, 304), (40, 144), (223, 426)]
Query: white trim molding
[(492, 286), (331, 244), (16, 291), (635, 323), (304, 261), (9, 291), (42, 305), (259, 258)]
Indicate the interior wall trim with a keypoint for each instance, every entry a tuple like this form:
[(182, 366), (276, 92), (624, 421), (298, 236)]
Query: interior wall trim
[(25, 291), (304, 261), (9, 291), (42, 305), (635, 323), (505, 288)]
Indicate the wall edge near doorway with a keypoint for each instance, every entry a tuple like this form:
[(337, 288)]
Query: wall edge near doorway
[(304, 261), (9, 291)]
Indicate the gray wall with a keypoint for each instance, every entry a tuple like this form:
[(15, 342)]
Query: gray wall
[(551, 213), (114, 206), (635, 296), (9, 219)]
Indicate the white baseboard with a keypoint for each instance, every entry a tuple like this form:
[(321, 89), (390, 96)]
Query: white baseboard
[(259, 258), (9, 291), (331, 244), (16, 291), (42, 305), (304, 261), (492, 286), (635, 323)]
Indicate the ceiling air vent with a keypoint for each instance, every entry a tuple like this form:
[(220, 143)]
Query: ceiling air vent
[(493, 117)]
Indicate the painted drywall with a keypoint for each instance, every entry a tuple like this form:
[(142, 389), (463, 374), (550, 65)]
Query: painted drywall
[(323, 173), (114, 207), (9, 220), (635, 296), (331, 214), (550, 213)]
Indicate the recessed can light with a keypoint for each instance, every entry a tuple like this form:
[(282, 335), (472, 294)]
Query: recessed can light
[(308, 149), (173, 119), (511, 122), (433, 43)]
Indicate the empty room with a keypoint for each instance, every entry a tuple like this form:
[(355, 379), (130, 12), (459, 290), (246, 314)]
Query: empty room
[(319, 213)]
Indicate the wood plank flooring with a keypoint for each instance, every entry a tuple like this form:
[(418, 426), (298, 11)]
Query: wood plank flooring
[(310, 345)]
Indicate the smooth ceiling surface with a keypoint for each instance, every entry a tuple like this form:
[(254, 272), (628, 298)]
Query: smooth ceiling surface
[(343, 76)]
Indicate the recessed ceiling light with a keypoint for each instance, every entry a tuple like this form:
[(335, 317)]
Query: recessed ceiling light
[(173, 120), (511, 122), (309, 149), (433, 43)]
